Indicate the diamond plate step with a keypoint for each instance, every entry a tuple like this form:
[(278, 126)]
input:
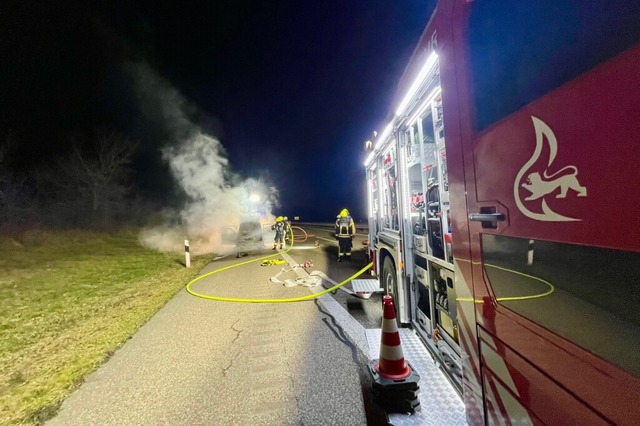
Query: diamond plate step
[(366, 286)]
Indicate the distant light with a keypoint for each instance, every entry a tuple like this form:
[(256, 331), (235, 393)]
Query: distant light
[(254, 197), (431, 61)]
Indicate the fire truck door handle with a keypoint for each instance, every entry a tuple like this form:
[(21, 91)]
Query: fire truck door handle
[(489, 220)]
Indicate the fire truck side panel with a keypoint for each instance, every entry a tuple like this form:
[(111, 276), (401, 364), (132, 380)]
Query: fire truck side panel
[(432, 206), (502, 368), (590, 283), (555, 281), (501, 192)]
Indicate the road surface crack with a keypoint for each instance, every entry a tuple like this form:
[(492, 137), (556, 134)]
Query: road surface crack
[(224, 370), (238, 332)]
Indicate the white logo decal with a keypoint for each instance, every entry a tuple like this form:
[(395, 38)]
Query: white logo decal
[(539, 187)]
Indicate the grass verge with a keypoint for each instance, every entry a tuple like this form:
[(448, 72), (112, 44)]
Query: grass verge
[(67, 302)]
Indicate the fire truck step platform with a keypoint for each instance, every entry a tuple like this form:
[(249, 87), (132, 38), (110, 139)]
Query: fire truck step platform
[(366, 286), (440, 404)]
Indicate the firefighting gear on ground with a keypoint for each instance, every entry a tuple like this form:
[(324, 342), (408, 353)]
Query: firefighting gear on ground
[(317, 277), (394, 382), (345, 231), (273, 262), (314, 279), (249, 300), (270, 262)]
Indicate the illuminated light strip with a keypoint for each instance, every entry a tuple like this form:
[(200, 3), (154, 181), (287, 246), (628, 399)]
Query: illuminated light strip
[(370, 191), (426, 68), (384, 135), (380, 191), (426, 103), (431, 61), (369, 158)]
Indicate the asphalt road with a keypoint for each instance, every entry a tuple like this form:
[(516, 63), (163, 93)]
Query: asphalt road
[(203, 362), (366, 312)]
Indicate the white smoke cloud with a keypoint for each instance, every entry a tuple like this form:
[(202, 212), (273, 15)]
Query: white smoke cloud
[(217, 198)]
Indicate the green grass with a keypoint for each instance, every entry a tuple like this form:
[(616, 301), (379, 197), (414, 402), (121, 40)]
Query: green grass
[(67, 301)]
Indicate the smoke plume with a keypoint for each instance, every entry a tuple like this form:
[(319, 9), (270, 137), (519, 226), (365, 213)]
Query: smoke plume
[(216, 198)]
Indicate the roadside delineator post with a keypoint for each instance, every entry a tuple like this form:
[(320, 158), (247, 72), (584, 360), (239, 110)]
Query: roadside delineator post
[(187, 257), (530, 253), (394, 382)]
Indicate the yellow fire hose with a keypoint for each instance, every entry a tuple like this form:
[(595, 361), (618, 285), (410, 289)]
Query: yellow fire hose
[(285, 300)]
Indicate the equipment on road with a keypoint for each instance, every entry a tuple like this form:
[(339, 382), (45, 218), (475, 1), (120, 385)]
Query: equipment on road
[(358, 291), (305, 281), (261, 259), (273, 262), (394, 383)]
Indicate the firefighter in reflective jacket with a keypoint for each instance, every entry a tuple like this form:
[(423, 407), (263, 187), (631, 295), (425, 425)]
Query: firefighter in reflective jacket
[(287, 230), (279, 228), (345, 231)]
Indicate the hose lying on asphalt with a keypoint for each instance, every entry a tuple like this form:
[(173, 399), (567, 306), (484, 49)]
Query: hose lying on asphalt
[(300, 238), (285, 300)]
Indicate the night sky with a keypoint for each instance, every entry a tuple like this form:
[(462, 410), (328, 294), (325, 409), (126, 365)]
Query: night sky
[(291, 89)]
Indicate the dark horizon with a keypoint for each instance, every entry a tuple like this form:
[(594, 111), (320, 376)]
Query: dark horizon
[(291, 92)]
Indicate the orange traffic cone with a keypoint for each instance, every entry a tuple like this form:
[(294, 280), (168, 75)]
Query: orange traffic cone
[(391, 363), (394, 382)]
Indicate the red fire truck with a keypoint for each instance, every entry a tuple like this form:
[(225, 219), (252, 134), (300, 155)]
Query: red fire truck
[(503, 212)]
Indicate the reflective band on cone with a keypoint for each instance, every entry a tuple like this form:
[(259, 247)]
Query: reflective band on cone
[(391, 363)]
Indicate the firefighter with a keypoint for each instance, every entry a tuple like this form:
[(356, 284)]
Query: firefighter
[(279, 228), (287, 230), (345, 231)]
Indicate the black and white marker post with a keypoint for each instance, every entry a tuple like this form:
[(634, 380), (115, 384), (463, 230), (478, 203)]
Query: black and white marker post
[(187, 257), (530, 253)]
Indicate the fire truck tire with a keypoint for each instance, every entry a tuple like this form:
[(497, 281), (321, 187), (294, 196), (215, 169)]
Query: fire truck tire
[(389, 282)]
